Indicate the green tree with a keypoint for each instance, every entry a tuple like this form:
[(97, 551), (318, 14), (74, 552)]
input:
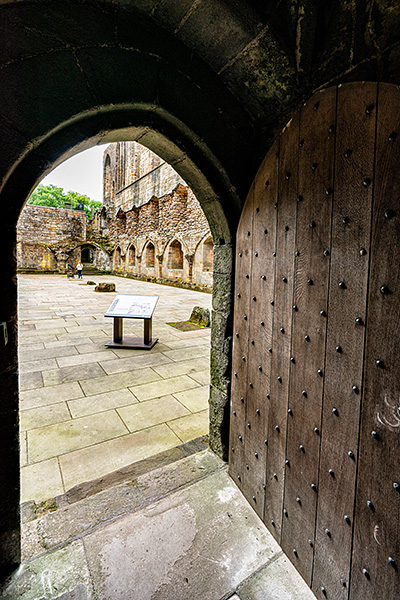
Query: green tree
[(51, 195)]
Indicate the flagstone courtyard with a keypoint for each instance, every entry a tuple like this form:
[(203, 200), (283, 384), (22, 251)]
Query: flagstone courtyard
[(87, 411), (121, 499)]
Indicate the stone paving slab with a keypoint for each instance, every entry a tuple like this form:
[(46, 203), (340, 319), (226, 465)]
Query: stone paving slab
[(38, 365), (78, 518), (55, 440), (89, 347), (73, 341), (96, 461), (202, 377), (152, 412), (189, 352), (82, 359), (45, 353), (100, 402), (134, 362), (125, 353), (189, 343), (108, 383), (41, 481), (50, 395), (163, 387), (30, 381), (43, 416), (29, 347), (75, 373), (184, 367), (190, 426), (195, 399), (23, 449), (276, 581), (181, 532)]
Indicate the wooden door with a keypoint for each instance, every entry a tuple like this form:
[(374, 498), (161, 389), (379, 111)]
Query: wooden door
[(315, 408)]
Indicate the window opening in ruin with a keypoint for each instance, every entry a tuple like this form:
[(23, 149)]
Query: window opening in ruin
[(107, 179), (150, 256), (132, 256), (208, 255), (117, 258), (175, 255)]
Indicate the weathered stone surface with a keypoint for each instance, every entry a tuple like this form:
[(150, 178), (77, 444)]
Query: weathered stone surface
[(219, 422), (201, 316), (278, 580), (200, 542), (85, 515), (47, 236), (105, 287), (60, 575)]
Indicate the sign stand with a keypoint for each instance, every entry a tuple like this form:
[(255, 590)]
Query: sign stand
[(132, 307)]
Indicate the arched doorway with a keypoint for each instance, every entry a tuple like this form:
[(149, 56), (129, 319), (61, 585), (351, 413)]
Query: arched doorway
[(87, 255)]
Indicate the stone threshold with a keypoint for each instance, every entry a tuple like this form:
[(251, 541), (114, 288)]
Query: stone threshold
[(142, 486), (31, 510)]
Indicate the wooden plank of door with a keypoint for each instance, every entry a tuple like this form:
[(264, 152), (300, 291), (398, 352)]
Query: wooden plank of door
[(316, 164), (241, 341), (376, 553), (260, 329), (283, 299), (351, 227)]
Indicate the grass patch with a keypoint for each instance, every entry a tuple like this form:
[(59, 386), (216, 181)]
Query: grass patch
[(186, 326)]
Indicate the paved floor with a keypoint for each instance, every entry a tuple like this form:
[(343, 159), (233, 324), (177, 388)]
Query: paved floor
[(181, 532), (87, 411)]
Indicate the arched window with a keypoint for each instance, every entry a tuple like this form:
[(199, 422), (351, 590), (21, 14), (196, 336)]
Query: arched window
[(175, 255), (150, 256), (132, 256), (121, 221), (107, 179), (117, 258), (208, 255)]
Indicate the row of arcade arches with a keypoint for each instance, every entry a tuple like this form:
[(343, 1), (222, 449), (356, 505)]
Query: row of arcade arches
[(175, 260)]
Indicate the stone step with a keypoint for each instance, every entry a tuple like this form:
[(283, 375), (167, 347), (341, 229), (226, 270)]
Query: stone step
[(178, 532), (65, 518)]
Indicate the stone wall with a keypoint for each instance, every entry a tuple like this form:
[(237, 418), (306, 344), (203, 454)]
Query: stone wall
[(136, 231), (149, 216), (47, 237), (133, 175)]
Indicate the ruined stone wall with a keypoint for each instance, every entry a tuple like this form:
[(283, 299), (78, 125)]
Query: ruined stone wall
[(121, 236), (146, 204), (47, 237), (133, 175)]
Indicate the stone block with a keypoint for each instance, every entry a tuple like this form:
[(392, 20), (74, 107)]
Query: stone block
[(219, 422), (105, 287), (201, 316)]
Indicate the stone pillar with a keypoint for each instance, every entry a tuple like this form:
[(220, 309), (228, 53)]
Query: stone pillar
[(61, 258), (160, 265), (10, 552), (221, 349), (190, 259)]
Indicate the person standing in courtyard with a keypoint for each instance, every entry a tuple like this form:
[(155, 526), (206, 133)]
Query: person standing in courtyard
[(79, 268)]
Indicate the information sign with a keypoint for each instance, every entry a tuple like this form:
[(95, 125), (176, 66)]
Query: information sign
[(132, 306)]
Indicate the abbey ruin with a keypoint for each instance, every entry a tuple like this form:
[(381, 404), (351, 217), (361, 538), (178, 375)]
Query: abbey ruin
[(151, 225)]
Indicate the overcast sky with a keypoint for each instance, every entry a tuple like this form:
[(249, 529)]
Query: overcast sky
[(82, 173)]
